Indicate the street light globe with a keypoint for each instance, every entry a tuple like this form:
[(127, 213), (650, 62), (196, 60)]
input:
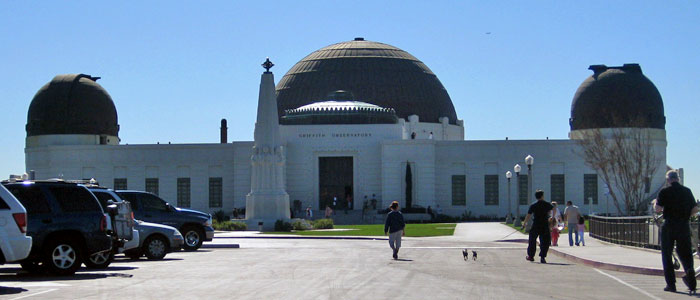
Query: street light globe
[(517, 168), (529, 160), (509, 175)]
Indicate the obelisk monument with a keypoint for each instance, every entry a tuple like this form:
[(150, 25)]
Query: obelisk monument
[(268, 200)]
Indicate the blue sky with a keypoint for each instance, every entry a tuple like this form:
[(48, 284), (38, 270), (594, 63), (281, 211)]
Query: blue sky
[(174, 69)]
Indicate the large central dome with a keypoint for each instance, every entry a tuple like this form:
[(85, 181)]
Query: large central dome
[(374, 73)]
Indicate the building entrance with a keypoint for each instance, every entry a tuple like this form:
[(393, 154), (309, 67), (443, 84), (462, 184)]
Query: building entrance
[(335, 178)]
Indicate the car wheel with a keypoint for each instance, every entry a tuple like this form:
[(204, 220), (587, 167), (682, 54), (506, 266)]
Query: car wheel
[(99, 260), (62, 257), (31, 266), (194, 236), (155, 247)]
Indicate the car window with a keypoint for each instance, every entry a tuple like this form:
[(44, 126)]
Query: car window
[(151, 202), (31, 197), (74, 199), (131, 197), (3, 204), (104, 198)]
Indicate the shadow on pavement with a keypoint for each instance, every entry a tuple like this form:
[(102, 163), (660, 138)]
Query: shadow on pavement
[(556, 264), (28, 277), (403, 259), (11, 290)]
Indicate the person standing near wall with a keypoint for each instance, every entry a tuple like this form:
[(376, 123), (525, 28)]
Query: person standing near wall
[(678, 205), (394, 226)]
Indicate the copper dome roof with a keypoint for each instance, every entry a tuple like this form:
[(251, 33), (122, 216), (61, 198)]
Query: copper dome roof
[(72, 104), (376, 73), (615, 97)]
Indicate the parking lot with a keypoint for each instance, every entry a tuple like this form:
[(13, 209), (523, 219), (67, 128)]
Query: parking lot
[(337, 269)]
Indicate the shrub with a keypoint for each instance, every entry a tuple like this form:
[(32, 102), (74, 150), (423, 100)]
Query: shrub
[(281, 225), (229, 226), (219, 215), (323, 224), (300, 225)]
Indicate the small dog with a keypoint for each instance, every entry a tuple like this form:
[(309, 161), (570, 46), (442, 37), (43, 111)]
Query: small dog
[(473, 255), (465, 254)]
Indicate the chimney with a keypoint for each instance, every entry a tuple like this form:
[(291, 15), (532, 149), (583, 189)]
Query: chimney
[(224, 132)]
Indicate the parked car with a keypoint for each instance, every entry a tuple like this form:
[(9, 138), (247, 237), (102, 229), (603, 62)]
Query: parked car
[(120, 225), (155, 241), (66, 224), (14, 242), (195, 226)]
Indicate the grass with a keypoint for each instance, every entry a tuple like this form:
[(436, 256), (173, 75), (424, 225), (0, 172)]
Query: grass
[(413, 230), (565, 231)]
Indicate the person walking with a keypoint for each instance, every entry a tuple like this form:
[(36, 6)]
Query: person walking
[(581, 228), (677, 204), (309, 213), (394, 226), (539, 212), (328, 212), (571, 214)]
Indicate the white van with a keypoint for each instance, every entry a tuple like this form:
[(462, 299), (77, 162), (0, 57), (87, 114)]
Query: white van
[(14, 242)]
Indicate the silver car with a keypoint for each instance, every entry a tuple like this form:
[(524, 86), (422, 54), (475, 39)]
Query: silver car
[(155, 241)]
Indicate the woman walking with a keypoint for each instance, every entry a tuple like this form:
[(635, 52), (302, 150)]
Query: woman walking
[(394, 226)]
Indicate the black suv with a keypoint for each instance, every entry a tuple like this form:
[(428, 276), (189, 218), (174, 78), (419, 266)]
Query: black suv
[(66, 223), (195, 226)]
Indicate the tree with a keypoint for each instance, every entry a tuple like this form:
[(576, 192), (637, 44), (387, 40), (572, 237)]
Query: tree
[(625, 160)]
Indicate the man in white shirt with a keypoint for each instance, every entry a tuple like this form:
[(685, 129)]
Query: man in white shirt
[(571, 215)]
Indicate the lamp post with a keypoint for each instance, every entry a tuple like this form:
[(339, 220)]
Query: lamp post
[(517, 223), (509, 219), (529, 160)]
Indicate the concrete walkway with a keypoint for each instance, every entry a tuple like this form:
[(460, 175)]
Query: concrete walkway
[(598, 254)]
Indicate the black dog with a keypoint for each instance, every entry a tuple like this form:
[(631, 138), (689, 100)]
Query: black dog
[(465, 254), (473, 255)]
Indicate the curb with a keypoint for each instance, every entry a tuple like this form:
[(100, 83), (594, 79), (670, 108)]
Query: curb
[(603, 265), (306, 237)]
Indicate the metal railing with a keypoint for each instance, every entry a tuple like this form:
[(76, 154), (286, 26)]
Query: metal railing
[(640, 231)]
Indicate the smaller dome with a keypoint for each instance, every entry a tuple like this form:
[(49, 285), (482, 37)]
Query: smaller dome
[(339, 112), (617, 97), (72, 104)]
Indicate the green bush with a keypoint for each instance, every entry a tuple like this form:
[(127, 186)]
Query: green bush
[(219, 215), (323, 224), (229, 226), (282, 226), (300, 225)]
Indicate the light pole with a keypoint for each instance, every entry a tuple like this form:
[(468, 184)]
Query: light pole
[(529, 160), (509, 219), (517, 223)]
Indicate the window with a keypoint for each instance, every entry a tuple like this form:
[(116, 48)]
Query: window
[(557, 188), (74, 199), (120, 184), (590, 188), (490, 189), (183, 192), (522, 189), (152, 185), (215, 192), (3, 205), (459, 195), (153, 203), (104, 198), (32, 198)]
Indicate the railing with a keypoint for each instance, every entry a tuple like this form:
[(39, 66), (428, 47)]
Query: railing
[(640, 231)]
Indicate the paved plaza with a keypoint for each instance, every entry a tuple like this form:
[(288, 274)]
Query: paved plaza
[(267, 267)]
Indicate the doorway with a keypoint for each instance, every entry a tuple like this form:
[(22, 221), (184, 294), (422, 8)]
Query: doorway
[(335, 180)]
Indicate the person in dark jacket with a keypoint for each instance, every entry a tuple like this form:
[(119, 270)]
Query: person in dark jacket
[(678, 205), (539, 212), (394, 226)]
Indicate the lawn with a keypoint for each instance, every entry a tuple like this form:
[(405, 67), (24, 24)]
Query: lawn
[(414, 230), (566, 230)]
